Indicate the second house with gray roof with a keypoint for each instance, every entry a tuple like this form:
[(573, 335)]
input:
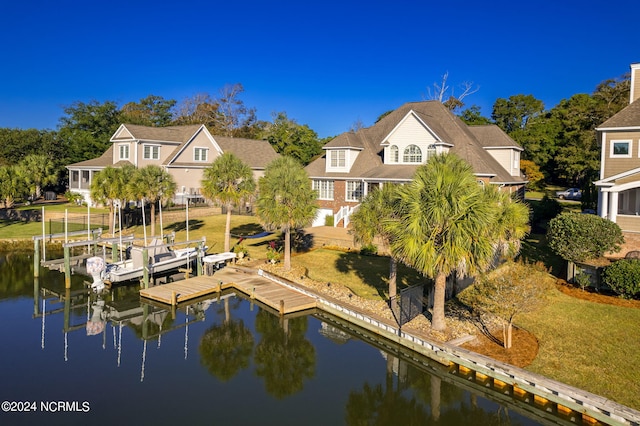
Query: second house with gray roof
[(390, 151), (184, 151)]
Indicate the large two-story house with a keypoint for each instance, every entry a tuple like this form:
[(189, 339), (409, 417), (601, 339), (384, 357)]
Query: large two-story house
[(354, 163), (619, 183), (184, 151)]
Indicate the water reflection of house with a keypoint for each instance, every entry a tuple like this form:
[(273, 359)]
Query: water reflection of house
[(333, 333), (183, 151)]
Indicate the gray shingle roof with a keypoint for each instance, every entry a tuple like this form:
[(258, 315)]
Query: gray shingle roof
[(103, 161), (447, 127), (627, 117), (490, 135), (168, 134), (255, 153)]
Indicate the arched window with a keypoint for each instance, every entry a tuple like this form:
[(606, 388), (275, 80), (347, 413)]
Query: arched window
[(412, 154), (393, 150)]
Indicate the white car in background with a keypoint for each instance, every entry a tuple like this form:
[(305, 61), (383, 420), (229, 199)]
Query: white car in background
[(570, 194)]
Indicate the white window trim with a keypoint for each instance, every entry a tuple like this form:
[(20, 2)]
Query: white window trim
[(128, 149), (201, 150), (317, 186), (404, 154), (627, 141), (394, 156), (336, 153), (348, 194), (152, 149)]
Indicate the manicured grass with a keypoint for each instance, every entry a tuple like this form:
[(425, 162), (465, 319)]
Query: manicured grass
[(588, 345), (72, 208), (25, 230), (365, 276)]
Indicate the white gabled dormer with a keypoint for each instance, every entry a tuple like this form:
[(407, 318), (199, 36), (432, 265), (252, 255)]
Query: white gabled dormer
[(124, 144), (341, 153), (412, 141), (201, 149)]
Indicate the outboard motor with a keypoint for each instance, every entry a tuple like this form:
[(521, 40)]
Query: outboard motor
[(95, 267)]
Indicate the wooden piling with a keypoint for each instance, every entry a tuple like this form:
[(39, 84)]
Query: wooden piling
[(36, 257), (145, 268), (67, 267), (281, 307)]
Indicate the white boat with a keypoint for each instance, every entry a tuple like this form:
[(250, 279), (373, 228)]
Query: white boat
[(161, 260), (214, 262)]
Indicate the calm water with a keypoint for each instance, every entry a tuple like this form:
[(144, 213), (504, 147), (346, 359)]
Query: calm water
[(112, 360)]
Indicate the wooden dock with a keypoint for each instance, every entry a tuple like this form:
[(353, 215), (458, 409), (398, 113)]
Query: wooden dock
[(283, 299)]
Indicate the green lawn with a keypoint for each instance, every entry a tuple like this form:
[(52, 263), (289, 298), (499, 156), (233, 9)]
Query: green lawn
[(588, 345), (365, 276)]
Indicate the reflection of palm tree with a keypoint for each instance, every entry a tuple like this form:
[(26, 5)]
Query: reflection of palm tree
[(284, 357), (376, 406), (226, 348), (447, 402)]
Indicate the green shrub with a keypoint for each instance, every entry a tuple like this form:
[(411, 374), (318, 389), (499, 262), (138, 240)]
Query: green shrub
[(369, 250), (328, 220), (74, 197), (546, 209), (623, 277), (583, 280), (577, 237)]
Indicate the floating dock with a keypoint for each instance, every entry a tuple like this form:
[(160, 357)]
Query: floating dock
[(282, 299)]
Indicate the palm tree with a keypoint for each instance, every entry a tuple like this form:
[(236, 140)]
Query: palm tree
[(227, 181), (39, 171), (12, 185), (448, 223), (109, 186), (286, 200), (370, 221), (152, 183), (512, 222)]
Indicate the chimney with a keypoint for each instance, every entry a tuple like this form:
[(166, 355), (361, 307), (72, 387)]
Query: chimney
[(635, 82)]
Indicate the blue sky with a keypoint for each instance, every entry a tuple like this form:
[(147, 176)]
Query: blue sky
[(326, 64)]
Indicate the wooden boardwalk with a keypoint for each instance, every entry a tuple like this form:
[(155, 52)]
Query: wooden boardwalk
[(283, 299)]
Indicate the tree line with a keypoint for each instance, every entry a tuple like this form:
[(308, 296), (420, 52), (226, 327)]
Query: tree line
[(83, 132), (559, 144)]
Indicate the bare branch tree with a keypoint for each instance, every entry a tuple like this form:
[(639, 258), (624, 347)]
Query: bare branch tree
[(443, 93)]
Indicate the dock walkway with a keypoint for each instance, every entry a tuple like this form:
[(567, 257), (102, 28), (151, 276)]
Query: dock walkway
[(283, 299)]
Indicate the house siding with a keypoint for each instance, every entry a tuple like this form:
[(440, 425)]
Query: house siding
[(613, 166), (635, 82), (132, 151), (628, 223), (190, 178), (504, 157), (411, 132)]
